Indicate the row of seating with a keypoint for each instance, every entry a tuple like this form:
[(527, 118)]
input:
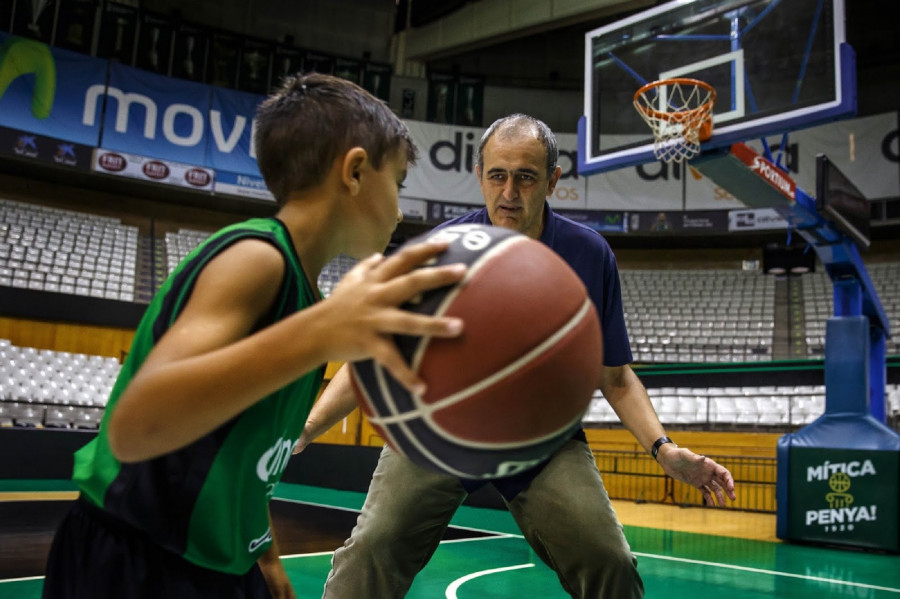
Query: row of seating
[(764, 406), (699, 316), (46, 388), (29, 415), (818, 304), (672, 315), (180, 243), (62, 251), (50, 377)]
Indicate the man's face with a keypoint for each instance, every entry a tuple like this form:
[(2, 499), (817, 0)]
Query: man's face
[(514, 181)]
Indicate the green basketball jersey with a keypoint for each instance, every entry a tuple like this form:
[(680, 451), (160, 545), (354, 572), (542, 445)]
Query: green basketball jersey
[(208, 502)]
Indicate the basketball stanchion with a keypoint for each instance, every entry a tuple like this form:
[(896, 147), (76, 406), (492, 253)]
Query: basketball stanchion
[(679, 113)]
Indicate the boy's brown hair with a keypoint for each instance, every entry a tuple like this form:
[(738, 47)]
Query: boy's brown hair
[(311, 120)]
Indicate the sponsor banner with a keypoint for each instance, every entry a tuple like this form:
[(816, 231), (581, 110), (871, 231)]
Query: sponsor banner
[(155, 116), (231, 132), (654, 186), (571, 192), (693, 221), (63, 95), (441, 211), (413, 209), (238, 184), (22, 144), (46, 90), (145, 168), (865, 149), (756, 220), (844, 496), (445, 171), (603, 221), (766, 170)]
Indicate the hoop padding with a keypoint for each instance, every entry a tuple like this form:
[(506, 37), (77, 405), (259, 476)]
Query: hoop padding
[(679, 113)]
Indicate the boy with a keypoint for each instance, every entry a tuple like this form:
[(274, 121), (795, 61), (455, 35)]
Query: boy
[(230, 354)]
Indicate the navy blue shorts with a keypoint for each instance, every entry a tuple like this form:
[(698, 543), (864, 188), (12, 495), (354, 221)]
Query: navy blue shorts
[(95, 556)]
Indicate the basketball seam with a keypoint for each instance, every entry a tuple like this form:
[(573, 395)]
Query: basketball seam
[(425, 411), (408, 435), (479, 263)]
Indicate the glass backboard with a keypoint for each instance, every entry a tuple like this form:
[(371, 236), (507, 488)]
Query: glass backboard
[(776, 65)]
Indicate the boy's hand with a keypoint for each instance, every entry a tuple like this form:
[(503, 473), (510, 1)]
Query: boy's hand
[(366, 304)]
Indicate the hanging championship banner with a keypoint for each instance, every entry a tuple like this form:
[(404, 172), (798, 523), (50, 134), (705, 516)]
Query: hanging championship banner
[(255, 66), (377, 80), (154, 46), (118, 33), (224, 54), (75, 25), (190, 52)]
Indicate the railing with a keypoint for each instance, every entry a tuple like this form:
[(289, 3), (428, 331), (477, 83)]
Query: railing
[(635, 476)]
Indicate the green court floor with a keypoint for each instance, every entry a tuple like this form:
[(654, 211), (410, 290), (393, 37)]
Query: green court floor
[(674, 565)]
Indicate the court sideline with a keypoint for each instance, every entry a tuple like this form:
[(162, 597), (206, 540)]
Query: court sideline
[(685, 553)]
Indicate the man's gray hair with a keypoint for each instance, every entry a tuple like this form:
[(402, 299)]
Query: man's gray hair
[(516, 123)]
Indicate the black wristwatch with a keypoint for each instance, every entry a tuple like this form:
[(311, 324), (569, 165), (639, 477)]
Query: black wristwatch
[(659, 443)]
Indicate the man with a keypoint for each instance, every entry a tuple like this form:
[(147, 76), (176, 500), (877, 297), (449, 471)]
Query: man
[(561, 505)]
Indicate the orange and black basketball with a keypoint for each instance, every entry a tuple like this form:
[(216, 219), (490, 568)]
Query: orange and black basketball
[(514, 386)]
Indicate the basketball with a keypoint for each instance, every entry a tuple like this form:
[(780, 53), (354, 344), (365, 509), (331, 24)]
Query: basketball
[(513, 387)]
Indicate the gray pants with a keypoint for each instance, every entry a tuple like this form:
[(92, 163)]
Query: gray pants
[(565, 514)]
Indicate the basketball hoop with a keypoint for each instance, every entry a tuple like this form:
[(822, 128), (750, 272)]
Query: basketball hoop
[(679, 112)]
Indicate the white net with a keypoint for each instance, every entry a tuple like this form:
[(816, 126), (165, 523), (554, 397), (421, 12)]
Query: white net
[(677, 111)]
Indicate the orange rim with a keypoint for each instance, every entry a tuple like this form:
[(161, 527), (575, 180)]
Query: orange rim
[(680, 115)]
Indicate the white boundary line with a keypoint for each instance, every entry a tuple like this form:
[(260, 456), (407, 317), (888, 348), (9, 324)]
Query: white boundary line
[(501, 535), (451, 590), (769, 572)]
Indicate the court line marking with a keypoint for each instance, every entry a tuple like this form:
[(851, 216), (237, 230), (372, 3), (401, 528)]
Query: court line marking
[(23, 579), (502, 535), (770, 572), (637, 553), (450, 593), (320, 553), (493, 533)]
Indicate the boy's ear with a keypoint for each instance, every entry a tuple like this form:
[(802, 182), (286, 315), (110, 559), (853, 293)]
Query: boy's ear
[(351, 167)]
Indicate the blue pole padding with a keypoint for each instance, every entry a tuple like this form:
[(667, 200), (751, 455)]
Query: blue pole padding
[(847, 365), (847, 297), (877, 374)]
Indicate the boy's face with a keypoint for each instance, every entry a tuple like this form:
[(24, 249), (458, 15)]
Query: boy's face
[(382, 191), (514, 181)]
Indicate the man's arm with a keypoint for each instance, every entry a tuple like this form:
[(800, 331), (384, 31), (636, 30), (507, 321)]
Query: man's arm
[(626, 394), (335, 403)]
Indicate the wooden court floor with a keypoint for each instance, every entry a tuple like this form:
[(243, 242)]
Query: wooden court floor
[(683, 553)]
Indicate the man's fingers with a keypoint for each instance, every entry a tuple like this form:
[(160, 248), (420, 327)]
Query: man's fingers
[(728, 486)]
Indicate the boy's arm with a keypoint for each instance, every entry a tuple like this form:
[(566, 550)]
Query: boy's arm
[(335, 403), (273, 570), (208, 367)]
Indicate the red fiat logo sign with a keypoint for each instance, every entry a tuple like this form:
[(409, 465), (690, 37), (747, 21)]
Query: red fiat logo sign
[(112, 162)]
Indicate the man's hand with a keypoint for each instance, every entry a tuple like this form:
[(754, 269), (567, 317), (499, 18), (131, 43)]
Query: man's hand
[(712, 479)]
